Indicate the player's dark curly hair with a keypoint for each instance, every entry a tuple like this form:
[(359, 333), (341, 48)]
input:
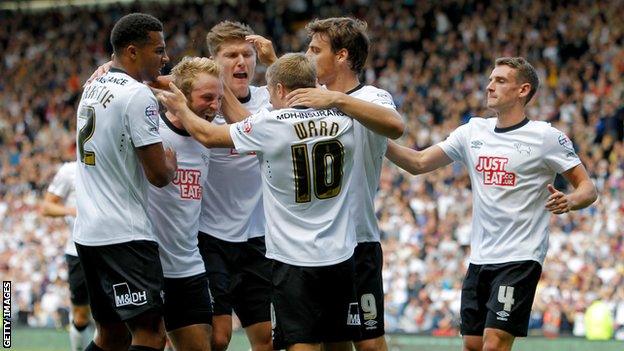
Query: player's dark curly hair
[(133, 29)]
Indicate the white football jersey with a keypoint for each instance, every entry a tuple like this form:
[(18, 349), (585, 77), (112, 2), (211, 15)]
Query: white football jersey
[(509, 170), (174, 209), (232, 200), (370, 149), (64, 186), (306, 157), (116, 114)]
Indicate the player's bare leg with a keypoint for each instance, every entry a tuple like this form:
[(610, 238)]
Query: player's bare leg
[(376, 344), (148, 329), (81, 330), (497, 340), (337, 346), (492, 340), (112, 336), (304, 347), (192, 338), (259, 336), (81, 315), (473, 343), (221, 332)]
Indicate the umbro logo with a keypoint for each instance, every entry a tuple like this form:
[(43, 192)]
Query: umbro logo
[(371, 324), (476, 144), (502, 315)]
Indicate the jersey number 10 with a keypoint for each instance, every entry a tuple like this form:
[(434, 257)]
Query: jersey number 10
[(327, 161)]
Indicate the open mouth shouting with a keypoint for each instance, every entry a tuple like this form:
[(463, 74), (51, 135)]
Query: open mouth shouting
[(240, 75)]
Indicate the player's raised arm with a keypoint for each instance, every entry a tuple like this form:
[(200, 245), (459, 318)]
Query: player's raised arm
[(417, 162), (206, 133), (264, 48), (379, 119)]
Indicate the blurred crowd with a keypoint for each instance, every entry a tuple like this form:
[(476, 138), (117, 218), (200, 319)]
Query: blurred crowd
[(434, 57)]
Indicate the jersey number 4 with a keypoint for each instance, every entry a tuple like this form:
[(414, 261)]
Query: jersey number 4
[(327, 161), (86, 133)]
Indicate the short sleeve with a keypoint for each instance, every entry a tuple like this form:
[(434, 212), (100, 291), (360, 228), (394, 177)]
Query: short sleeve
[(383, 98), (559, 152), (142, 117), (453, 146), (62, 185), (252, 133)]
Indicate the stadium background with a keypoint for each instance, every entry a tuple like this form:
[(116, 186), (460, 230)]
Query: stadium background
[(433, 57)]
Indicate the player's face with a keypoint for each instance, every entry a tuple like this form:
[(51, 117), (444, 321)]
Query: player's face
[(320, 52), (238, 64), (503, 91), (152, 57), (206, 96)]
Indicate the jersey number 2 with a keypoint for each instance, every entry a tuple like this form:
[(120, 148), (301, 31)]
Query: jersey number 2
[(85, 133), (327, 161)]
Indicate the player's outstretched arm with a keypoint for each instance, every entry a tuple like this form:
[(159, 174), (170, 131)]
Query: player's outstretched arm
[(584, 193), (264, 48), (379, 119), (208, 134), (159, 164), (52, 206), (233, 111), (417, 162)]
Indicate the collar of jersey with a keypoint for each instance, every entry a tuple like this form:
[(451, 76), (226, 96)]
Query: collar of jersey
[(245, 99), (175, 129), (510, 128), (358, 87), (300, 107), (117, 70)]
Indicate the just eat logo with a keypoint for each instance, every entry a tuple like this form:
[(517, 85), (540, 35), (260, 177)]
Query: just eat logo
[(188, 181), (493, 170)]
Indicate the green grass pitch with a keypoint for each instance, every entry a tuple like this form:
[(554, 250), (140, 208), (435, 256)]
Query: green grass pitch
[(57, 340)]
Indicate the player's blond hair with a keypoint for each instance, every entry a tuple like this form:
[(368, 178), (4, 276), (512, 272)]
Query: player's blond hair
[(225, 31), (292, 71), (187, 70)]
